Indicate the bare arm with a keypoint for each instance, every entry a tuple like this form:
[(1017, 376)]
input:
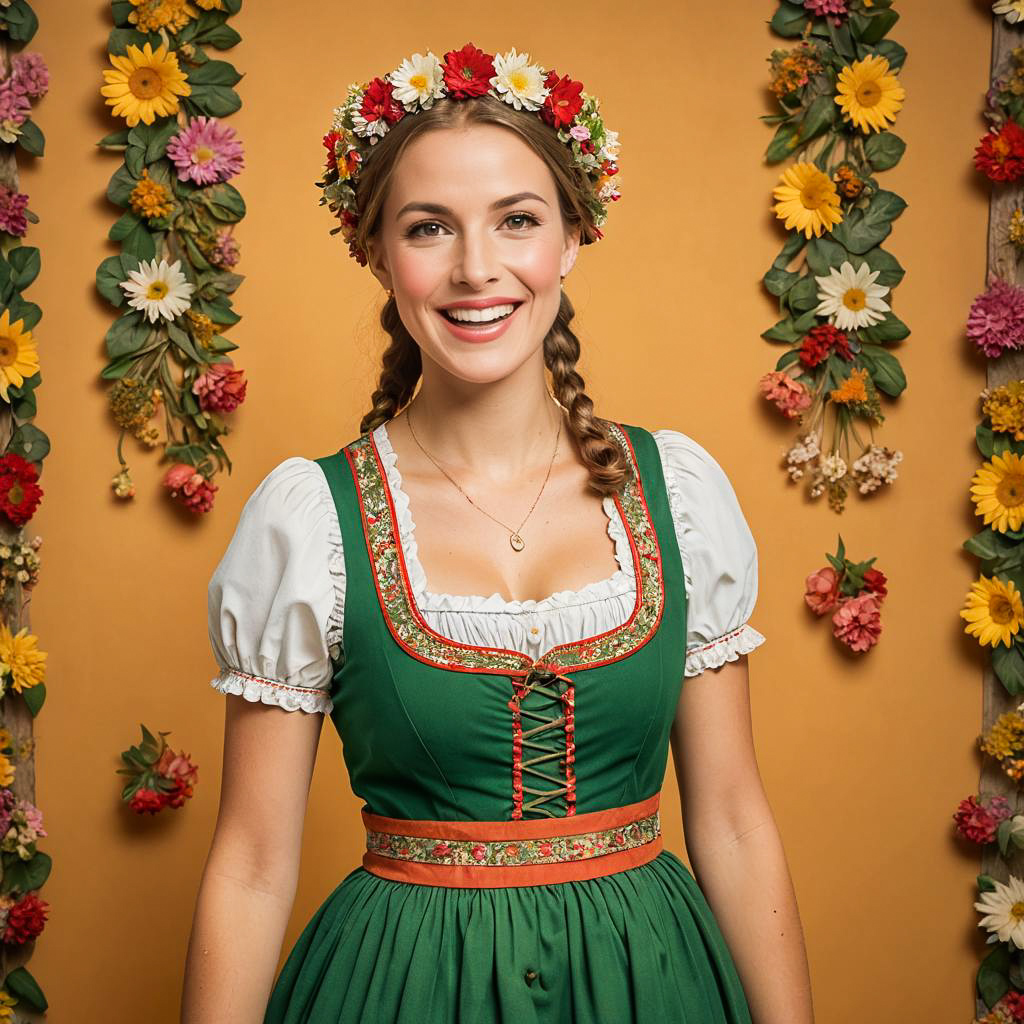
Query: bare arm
[(734, 846), (249, 880)]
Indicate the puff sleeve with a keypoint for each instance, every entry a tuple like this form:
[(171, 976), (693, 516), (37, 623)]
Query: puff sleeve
[(275, 601), (718, 552)]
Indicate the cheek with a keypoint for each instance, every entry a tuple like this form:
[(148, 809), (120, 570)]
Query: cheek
[(416, 275)]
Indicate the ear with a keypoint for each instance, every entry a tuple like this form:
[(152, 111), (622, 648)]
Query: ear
[(570, 250), (377, 262)]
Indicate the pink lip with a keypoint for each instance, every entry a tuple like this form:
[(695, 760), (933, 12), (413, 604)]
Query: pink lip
[(480, 334), (498, 300)]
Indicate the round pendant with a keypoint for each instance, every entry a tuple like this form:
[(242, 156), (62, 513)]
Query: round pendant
[(517, 542)]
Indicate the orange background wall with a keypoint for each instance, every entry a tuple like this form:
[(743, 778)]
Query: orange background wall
[(864, 759)]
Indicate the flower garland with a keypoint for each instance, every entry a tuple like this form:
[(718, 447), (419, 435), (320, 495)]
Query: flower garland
[(174, 271), (24, 869), (838, 87)]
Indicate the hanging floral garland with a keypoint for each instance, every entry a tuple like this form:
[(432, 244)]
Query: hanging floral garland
[(838, 94), (174, 271)]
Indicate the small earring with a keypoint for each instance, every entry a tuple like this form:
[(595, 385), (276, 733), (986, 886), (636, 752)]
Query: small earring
[(391, 294)]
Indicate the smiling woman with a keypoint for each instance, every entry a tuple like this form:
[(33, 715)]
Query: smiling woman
[(507, 728)]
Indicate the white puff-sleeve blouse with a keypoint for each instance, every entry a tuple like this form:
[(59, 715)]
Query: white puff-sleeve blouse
[(276, 600)]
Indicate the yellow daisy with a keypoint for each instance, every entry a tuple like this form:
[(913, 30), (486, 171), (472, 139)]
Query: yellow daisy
[(18, 355), (7, 1001), (26, 661), (6, 771), (807, 199), (993, 611), (868, 94), (998, 492), (145, 84)]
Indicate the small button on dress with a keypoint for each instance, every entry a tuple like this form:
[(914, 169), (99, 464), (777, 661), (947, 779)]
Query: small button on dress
[(457, 719)]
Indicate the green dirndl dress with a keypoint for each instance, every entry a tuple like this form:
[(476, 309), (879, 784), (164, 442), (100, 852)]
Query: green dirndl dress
[(430, 731)]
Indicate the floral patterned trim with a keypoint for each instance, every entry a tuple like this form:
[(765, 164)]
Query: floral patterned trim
[(506, 853), (415, 635), (272, 691)]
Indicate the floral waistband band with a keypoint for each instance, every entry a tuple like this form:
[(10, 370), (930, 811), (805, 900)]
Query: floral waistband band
[(508, 853)]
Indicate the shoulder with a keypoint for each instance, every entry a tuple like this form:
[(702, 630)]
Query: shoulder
[(689, 465)]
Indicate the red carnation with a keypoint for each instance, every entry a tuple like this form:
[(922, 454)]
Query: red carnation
[(1000, 154), (147, 801), (221, 388), (378, 102), (467, 72), (190, 487), (563, 102), (820, 341), (874, 580), (25, 919), (19, 492)]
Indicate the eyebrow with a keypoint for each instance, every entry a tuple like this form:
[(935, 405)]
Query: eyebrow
[(496, 205)]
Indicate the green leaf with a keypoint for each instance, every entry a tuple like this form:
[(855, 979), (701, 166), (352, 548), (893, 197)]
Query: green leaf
[(31, 138), (33, 445), (219, 311), (1008, 665), (115, 138), (884, 150), (119, 191), (121, 38), (983, 435), (870, 28), (25, 988), (890, 273), (804, 296), (24, 261), (784, 141), (782, 331), (221, 37), (27, 312), (109, 276), (778, 282), (864, 229), (214, 72), (986, 883), (993, 982), (820, 117), (24, 408), (824, 253), (987, 544), (139, 244), (223, 201), (212, 100), (27, 875), (134, 161), (116, 369), (789, 20), (886, 372), (787, 358), (127, 334), (182, 341), (892, 52), (157, 145), (21, 21), (892, 328), (218, 343)]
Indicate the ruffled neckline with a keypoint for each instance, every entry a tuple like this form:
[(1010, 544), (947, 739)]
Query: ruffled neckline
[(620, 583)]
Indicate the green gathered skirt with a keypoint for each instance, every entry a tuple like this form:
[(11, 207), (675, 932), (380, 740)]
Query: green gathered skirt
[(637, 945)]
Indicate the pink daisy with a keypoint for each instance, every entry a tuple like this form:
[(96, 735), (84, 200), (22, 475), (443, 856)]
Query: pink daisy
[(996, 321), (206, 151)]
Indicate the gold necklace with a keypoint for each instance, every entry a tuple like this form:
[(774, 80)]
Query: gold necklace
[(515, 539)]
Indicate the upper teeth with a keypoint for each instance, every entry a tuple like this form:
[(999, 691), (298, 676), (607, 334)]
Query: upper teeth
[(480, 315)]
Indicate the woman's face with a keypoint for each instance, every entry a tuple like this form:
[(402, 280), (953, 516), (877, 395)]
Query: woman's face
[(472, 216)]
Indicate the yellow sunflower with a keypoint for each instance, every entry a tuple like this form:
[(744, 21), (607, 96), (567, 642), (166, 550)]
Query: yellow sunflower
[(6, 771), (993, 611), (807, 199), (998, 492), (26, 661), (145, 84), (869, 94), (18, 356)]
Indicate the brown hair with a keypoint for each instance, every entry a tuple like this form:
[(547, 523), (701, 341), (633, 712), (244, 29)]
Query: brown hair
[(402, 365)]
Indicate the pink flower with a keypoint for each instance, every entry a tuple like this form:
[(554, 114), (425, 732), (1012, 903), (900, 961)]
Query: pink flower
[(857, 622), (29, 75), (12, 211), (224, 253), (220, 389), (479, 851), (822, 590), (789, 395), (190, 487), (14, 106), (996, 321), (206, 151), (978, 821), (441, 850), (833, 10)]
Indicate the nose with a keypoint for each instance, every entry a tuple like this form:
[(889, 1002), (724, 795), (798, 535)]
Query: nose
[(476, 259)]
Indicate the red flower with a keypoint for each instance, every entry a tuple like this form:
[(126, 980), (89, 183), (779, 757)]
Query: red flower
[(25, 919), (978, 820), (563, 103), (190, 487), (467, 72), (441, 849), (379, 103), (147, 801), (479, 851), (820, 341), (19, 492), (1000, 154), (221, 388), (874, 580), (332, 158), (546, 849)]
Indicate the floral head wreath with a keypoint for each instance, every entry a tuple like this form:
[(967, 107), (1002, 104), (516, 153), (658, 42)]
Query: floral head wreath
[(371, 109)]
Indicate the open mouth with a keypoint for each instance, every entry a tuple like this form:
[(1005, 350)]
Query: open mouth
[(478, 323)]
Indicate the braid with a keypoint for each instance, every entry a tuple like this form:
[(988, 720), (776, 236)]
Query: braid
[(401, 369), (607, 463)]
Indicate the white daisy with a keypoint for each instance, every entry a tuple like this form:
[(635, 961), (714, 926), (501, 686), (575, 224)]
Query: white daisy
[(1004, 912), (158, 290), (850, 298), (418, 80), (610, 149), (1012, 10), (519, 82)]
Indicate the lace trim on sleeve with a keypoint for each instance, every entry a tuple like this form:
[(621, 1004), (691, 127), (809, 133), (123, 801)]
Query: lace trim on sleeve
[(336, 566), (272, 691), (727, 647)]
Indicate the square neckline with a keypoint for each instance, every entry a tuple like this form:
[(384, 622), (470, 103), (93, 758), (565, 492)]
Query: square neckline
[(554, 601)]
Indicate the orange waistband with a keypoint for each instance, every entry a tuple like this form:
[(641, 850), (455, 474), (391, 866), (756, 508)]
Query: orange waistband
[(534, 851)]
